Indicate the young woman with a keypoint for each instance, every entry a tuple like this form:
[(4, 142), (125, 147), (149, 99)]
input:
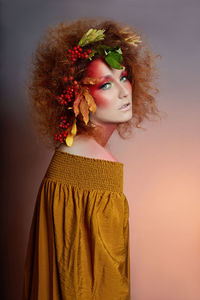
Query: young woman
[(89, 78)]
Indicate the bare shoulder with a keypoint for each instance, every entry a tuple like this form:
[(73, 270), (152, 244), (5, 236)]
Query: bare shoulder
[(88, 147)]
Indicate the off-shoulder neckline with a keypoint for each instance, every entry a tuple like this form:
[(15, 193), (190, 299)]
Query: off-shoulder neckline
[(86, 158)]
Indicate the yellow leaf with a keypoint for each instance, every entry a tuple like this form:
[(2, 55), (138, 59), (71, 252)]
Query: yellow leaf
[(76, 103), (133, 39), (91, 36), (89, 31), (69, 140), (74, 128), (84, 110), (89, 80), (90, 100)]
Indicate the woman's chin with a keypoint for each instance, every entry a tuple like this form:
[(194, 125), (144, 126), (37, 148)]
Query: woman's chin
[(127, 116)]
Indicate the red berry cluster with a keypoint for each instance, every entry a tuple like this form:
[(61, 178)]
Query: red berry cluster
[(78, 52), (63, 126), (68, 94)]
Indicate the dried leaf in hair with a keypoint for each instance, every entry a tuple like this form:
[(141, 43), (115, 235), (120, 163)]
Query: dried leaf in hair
[(69, 140), (84, 110), (89, 80), (77, 100), (91, 36), (74, 128), (90, 100), (133, 39)]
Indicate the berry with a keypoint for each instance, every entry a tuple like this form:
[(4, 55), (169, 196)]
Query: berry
[(65, 79)]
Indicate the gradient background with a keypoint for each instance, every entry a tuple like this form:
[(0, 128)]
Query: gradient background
[(161, 164)]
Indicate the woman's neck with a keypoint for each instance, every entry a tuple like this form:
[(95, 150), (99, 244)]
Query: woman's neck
[(102, 133), (87, 146)]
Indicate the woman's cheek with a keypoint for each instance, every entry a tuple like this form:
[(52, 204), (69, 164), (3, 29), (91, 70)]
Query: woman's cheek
[(99, 97), (129, 87)]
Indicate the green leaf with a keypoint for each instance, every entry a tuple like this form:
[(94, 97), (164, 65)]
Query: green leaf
[(114, 59), (118, 50), (101, 49), (107, 49), (92, 54), (118, 56)]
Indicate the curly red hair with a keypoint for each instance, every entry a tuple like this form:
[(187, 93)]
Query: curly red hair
[(51, 62)]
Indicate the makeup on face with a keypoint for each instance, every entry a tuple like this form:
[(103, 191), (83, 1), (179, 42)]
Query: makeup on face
[(110, 80), (112, 94)]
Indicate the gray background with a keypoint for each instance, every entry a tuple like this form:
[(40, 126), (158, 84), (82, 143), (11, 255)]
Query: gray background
[(172, 27)]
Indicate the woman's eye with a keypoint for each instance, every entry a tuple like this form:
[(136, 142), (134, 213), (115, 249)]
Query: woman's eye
[(123, 78), (106, 86)]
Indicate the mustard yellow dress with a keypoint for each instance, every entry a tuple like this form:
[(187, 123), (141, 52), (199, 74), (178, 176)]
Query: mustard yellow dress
[(78, 244)]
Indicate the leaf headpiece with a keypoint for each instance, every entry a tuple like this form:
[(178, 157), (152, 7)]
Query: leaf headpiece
[(76, 96)]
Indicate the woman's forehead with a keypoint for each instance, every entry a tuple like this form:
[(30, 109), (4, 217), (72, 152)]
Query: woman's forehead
[(98, 68)]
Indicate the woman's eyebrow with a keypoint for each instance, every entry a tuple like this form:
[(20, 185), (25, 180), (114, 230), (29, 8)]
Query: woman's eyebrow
[(110, 76), (106, 77)]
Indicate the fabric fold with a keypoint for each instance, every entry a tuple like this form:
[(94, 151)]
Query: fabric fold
[(79, 238)]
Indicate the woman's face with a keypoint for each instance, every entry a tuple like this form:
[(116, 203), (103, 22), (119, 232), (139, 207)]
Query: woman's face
[(111, 93)]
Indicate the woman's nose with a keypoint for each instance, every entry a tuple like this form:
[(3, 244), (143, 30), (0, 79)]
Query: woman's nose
[(123, 91)]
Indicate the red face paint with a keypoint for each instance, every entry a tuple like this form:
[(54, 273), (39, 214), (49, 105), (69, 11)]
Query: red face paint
[(111, 92), (98, 69)]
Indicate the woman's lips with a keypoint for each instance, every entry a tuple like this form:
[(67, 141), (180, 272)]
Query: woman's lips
[(125, 106)]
